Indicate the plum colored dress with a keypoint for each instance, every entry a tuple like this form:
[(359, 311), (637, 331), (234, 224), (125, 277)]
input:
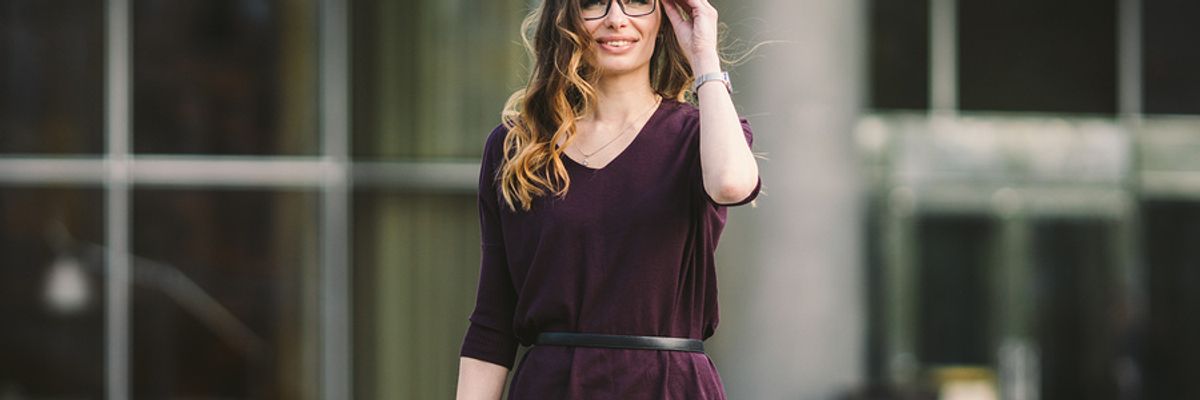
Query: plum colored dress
[(629, 250)]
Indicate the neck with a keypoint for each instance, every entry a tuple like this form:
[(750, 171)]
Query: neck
[(622, 97)]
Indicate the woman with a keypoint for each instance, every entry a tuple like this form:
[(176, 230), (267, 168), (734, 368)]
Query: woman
[(602, 197)]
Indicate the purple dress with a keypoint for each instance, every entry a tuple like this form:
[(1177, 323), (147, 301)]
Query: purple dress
[(629, 250)]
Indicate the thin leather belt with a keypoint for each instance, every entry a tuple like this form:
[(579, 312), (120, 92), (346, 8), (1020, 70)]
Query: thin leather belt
[(620, 341)]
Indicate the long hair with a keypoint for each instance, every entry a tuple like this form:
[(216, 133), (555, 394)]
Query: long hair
[(561, 88)]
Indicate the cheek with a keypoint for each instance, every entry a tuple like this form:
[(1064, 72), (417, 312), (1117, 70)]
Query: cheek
[(650, 45), (591, 27), (652, 37)]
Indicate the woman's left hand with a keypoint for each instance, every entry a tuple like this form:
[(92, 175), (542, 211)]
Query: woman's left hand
[(697, 33)]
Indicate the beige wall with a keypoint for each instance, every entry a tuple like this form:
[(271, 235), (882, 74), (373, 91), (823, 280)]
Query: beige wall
[(792, 310)]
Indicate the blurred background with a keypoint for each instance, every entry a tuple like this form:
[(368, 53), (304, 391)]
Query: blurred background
[(274, 199)]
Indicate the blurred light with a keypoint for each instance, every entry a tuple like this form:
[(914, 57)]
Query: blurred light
[(67, 290), (965, 383), (968, 390)]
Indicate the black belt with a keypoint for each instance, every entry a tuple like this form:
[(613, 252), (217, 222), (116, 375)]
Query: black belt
[(620, 341)]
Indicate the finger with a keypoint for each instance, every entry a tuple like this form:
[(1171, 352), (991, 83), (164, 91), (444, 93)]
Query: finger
[(673, 13), (699, 3), (679, 5), (681, 10), (699, 6)]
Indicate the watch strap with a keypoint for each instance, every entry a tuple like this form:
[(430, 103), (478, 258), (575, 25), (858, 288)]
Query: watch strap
[(722, 76)]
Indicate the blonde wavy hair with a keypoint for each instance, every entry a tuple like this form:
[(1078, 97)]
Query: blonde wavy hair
[(561, 88)]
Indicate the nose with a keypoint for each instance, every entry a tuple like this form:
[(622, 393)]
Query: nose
[(616, 14)]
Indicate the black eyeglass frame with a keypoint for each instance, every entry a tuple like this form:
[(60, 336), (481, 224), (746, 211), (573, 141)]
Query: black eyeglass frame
[(608, 9)]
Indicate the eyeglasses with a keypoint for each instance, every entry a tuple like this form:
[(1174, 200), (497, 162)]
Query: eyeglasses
[(596, 9)]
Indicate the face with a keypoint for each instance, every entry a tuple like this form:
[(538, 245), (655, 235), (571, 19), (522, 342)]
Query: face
[(623, 43)]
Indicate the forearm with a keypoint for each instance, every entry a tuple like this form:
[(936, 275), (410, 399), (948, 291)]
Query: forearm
[(729, 169), (480, 380)]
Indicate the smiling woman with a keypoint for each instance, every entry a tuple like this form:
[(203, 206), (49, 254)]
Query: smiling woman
[(602, 195)]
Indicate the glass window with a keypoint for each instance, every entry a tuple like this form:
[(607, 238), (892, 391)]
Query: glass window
[(225, 294), (51, 76), (1077, 321), (52, 293), (416, 269), (899, 54), (954, 320), (225, 77), (431, 77), (1171, 58), (1034, 55), (1170, 231)]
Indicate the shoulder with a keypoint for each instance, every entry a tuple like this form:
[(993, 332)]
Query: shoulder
[(687, 113), (493, 147), (680, 117), (495, 139), (686, 117)]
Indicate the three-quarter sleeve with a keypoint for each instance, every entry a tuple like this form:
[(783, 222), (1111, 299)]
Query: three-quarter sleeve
[(698, 176), (490, 335)]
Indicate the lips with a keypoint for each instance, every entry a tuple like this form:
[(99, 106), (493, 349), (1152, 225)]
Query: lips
[(616, 43)]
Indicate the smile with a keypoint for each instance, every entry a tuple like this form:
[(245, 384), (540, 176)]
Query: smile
[(617, 44)]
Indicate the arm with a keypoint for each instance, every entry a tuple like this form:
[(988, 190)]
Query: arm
[(480, 380), (730, 172), (489, 346)]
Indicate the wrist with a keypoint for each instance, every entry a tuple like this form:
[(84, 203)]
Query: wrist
[(702, 80), (706, 64)]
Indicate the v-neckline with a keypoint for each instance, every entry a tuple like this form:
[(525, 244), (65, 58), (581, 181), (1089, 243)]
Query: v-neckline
[(638, 137)]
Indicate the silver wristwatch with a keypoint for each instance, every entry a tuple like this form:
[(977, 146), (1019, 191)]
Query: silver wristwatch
[(722, 76)]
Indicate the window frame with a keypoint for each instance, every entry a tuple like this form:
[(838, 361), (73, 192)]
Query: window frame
[(332, 172)]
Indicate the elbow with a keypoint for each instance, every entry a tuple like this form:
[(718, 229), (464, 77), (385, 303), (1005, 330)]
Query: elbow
[(734, 191)]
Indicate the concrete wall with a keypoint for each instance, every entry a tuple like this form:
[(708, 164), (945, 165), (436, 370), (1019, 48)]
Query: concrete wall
[(793, 315)]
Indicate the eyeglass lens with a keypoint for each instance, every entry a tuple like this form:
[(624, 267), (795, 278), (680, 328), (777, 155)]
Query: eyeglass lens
[(596, 9)]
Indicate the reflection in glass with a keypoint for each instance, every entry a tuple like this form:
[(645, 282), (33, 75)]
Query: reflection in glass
[(51, 76), (224, 77), (431, 77), (51, 293), (416, 269), (225, 304)]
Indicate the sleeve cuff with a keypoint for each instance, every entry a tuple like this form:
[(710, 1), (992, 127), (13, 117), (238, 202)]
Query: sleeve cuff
[(491, 345), (750, 197)]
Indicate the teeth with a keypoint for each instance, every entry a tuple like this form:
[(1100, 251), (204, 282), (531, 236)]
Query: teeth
[(618, 43)]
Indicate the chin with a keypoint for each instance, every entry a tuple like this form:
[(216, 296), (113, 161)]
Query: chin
[(618, 69), (622, 66)]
